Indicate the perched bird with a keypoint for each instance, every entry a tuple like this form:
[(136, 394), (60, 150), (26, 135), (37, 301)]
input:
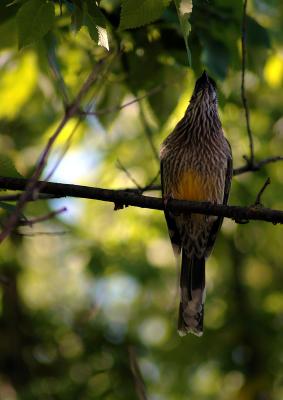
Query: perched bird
[(196, 165)]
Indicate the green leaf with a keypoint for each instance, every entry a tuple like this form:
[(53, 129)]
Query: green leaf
[(7, 10), (184, 9), (102, 37), (138, 13), (92, 30), (34, 19), (216, 57), (257, 35), (110, 97), (8, 36), (164, 103), (77, 18), (10, 208), (7, 167), (95, 21), (95, 12)]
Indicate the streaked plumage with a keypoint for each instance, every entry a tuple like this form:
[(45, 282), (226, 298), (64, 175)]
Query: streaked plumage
[(196, 164)]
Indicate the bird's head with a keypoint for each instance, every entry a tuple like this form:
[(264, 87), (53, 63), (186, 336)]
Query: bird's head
[(205, 91)]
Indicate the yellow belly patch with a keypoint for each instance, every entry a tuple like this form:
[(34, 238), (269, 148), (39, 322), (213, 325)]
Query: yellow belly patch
[(192, 187)]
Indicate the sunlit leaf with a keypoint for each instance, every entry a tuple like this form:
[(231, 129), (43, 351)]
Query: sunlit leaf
[(184, 9), (96, 24), (17, 84)]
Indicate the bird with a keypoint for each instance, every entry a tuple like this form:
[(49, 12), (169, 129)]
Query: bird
[(196, 164)]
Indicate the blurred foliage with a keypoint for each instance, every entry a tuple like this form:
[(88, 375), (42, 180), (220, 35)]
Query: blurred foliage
[(78, 290)]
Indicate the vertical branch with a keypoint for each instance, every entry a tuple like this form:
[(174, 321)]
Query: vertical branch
[(148, 135), (137, 377), (249, 159)]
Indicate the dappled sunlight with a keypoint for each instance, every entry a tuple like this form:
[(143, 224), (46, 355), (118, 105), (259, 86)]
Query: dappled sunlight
[(273, 303), (207, 379), (256, 274), (17, 84), (48, 284), (273, 70), (215, 313), (159, 253), (154, 331)]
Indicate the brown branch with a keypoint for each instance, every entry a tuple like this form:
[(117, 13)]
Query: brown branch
[(16, 197), (137, 376), (129, 175), (128, 198), (250, 159), (148, 135), (256, 165), (151, 185), (42, 218), (34, 234), (237, 171), (260, 193)]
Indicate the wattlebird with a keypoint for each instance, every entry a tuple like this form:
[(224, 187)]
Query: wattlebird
[(196, 165)]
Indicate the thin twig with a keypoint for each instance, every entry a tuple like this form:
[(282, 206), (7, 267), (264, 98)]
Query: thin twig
[(129, 175), (151, 185), (16, 197), (57, 75), (33, 182), (148, 134), (137, 376), (33, 234), (250, 159), (52, 214), (71, 135), (256, 166), (67, 145), (109, 110), (127, 198), (147, 188), (260, 193)]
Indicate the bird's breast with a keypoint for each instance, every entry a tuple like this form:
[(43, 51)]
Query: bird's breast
[(194, 186)]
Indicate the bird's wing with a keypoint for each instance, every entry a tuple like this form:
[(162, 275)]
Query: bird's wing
[(217, 224), (171, 222)]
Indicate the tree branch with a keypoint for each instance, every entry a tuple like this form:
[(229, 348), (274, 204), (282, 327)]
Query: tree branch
[(250, 159), (137, 376), (260, 193), (128, 198), (42, 218), (71, 111), (256, 166), (148, 135), (109, 110)]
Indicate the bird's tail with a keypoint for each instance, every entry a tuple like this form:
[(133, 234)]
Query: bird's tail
[(192, 283)]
